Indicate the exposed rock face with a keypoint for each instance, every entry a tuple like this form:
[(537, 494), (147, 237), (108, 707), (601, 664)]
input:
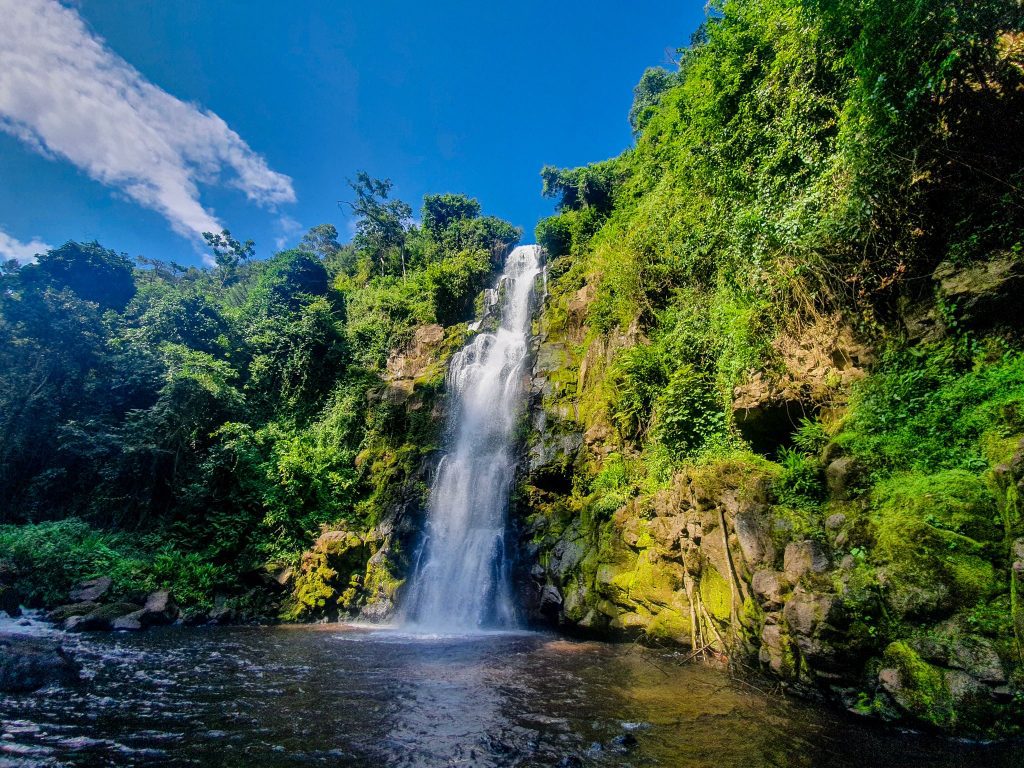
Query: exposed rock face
[(819, 362), (984, 294), (875, 614), (416, 360), (29, 663)]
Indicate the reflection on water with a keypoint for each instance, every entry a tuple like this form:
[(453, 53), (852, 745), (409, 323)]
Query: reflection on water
[(336, 696)]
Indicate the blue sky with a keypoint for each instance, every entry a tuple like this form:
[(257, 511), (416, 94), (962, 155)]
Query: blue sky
[(141, 123)]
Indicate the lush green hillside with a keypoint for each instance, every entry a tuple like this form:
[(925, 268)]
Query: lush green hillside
[(777, 403), (780, 376), (195, 428)]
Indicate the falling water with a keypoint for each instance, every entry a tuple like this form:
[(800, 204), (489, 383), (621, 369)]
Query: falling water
[(461, 581)]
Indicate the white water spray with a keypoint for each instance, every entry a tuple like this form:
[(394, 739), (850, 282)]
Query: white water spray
[(461, 581)]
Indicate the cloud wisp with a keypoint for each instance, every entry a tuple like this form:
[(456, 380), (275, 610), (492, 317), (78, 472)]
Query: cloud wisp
[(67, 95), (23, 253)]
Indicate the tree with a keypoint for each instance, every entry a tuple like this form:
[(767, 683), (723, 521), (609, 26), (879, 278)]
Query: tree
[(647, 94), (91, 271), (289, 281), (381, 223), (228, 252), (321, 240), (440, 211), (574, 188)]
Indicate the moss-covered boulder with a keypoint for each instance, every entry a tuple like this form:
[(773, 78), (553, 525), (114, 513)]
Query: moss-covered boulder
[(936, 536)]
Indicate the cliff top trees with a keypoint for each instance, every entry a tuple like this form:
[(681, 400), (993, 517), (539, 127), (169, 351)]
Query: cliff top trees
[(381, 223)]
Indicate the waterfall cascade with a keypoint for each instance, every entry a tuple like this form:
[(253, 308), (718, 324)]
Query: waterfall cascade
[(461, 580)]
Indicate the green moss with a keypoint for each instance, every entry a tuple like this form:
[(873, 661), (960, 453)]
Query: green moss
[(670, 625), (922, 692), (930, 567), (715, 594)]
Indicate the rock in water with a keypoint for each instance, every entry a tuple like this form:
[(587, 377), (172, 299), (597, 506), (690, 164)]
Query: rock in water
[(30, 663), (100, 619), (159, 609)]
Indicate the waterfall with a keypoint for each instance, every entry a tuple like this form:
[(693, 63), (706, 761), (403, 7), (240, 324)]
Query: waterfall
[(461, 580)]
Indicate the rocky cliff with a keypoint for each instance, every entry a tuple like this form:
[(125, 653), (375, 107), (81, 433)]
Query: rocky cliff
[(898, 598)]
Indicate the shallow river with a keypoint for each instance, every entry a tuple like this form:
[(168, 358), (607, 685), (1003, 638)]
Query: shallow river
[(335, 696)]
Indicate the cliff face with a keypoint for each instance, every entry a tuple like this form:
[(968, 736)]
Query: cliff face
[(777, 402), (898, 598), (359, 572)]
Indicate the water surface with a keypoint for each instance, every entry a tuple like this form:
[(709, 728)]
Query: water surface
[(331, 696)]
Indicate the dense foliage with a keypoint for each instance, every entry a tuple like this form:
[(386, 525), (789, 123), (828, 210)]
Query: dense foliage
[(193, 427), (807, 270), (810, 159)]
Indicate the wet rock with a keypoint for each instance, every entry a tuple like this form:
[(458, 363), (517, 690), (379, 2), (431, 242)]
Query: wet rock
[(550, 600), (159, 609), (842, 476), (91, 590), (804, 557), (770, 587), (625, 741), (222, 612), (29, 663), (64, 612), (10, 602), (100, 619), (977, 656), (131, 622)]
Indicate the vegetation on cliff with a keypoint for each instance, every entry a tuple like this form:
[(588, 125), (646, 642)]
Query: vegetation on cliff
[(195, 428), (779, 383)]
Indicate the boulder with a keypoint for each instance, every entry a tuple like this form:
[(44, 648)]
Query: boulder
[(159, 609), (64, 612), (985, 293), (773, 650), (30, 663), (810, 619), (91, 590), (977, 656), (770, 588), (222, 612), (550, 601), (835, 522), (131, 622), (100, 619), (804, 557), (842, 476)]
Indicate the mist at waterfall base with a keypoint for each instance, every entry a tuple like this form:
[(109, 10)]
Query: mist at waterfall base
[(461, 578)]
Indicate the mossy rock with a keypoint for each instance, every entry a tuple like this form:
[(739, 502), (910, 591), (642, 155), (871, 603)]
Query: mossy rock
[(931, 566), (716, 594), (917, 687)]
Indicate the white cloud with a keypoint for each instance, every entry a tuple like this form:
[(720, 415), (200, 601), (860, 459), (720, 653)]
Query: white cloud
[(65, 94), (289, 230), (12, 248)]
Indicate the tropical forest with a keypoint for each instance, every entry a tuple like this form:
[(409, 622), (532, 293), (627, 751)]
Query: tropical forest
[(717, 462)]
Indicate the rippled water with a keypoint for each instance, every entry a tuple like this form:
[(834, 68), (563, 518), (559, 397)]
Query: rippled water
[(336, 696)]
